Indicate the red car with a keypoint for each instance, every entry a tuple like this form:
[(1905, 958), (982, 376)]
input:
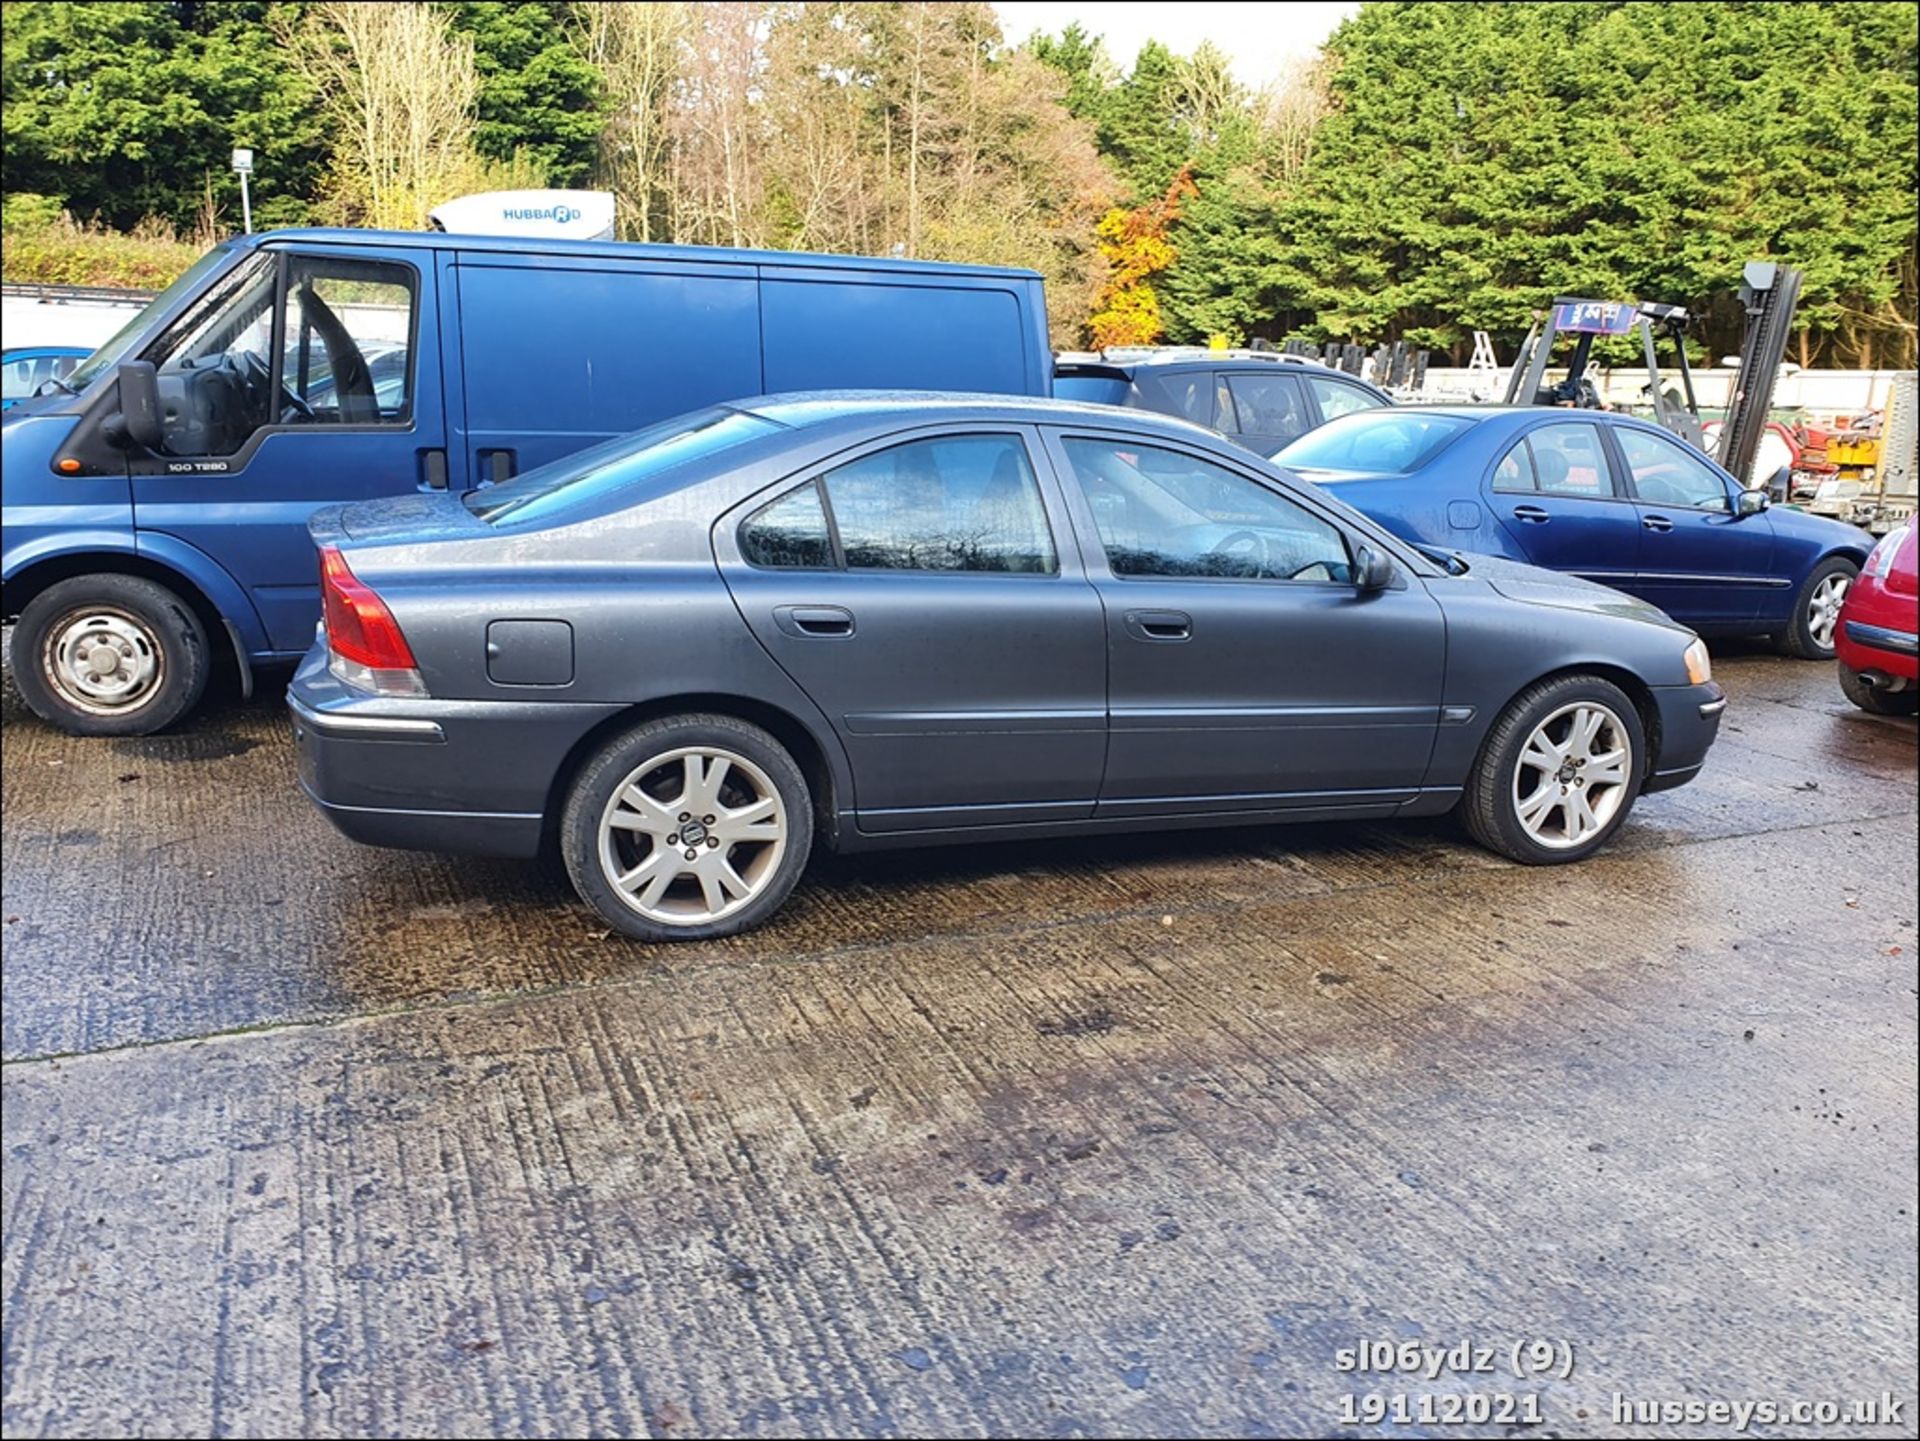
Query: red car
[(1878, 638)]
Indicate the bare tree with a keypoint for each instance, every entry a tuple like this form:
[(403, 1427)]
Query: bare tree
[(401, 84), (639, 52), (1290, 111)]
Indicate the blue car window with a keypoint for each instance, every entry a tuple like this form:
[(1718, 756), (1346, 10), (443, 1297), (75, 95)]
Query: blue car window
[(1568, 461), (1667, 473), (1383, 441), (962, 502), (789, 533), (1515, 470), (1164, 513)]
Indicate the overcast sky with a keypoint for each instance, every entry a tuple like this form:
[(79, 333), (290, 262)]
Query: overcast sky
[(1259, 38)]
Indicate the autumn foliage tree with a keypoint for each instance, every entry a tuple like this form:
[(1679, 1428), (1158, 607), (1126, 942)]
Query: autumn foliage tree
[(1135, 246)]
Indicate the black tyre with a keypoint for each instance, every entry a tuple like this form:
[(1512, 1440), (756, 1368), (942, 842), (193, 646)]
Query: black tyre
[(1816, 610), (687, 827), (110, 655), (1558, 773), (1879, 702)]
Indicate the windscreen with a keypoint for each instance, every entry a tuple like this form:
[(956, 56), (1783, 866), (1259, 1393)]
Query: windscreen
[(1383, 442), (619, 466), (110, 354)]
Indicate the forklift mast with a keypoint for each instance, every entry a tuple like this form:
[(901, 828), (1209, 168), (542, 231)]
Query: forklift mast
[(1768, 294)]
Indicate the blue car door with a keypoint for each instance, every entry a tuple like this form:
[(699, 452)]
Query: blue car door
[(308, 377), (1246, 671), (1555, 493), (1701, 561)]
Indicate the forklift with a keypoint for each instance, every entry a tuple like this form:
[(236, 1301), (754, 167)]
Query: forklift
[(1769, 293), (1675, 411)]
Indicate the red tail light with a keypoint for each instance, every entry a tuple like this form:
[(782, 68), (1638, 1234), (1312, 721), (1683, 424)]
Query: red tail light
[(366, 645)]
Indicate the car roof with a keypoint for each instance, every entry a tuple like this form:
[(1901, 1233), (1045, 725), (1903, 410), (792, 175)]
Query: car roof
[(1120, 362), (806, 409)]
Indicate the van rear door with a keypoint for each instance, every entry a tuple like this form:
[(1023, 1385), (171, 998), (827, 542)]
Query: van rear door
[(307, 376)]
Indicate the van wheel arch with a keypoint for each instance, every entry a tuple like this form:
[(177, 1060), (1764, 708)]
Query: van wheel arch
[(227, 651)]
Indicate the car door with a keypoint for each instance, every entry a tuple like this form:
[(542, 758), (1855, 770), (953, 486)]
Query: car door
[(1268, 409), (1555, 493), (1246, 671), (920, 596), (273, 408), (1700, 560)]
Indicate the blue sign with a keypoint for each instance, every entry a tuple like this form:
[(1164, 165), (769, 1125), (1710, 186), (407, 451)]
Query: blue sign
[(1595, 317)]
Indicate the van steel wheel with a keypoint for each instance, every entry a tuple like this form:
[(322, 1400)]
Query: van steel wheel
[(109, 655), (1558, 771), (689, 827)]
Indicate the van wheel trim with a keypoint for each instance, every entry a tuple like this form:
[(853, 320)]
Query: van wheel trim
[(103, 660)]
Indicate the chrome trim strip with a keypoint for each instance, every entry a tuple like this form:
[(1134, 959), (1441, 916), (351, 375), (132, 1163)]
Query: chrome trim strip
[(366, 727), (1712, 708), (1881, 637)]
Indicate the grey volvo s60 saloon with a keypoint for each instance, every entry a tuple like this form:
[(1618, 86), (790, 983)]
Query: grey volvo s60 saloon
[(884, 619)]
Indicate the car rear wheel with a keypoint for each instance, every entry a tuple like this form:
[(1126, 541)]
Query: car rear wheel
[(1816, 610), (1558, 772), (688, 827), (1876, 700), (109, 655)]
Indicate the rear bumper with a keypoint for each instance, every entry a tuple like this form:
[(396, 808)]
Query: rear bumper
[(1689, 724), (1864, 646), (438, 775)]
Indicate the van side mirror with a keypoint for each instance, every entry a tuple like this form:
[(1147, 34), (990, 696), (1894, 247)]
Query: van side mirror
[(1752, 502), (1371, 569), (138, 420)]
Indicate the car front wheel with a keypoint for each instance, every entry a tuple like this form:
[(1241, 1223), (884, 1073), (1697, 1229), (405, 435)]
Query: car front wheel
[(687, 828), (1816, 610), (1558, 773), (109, 655)]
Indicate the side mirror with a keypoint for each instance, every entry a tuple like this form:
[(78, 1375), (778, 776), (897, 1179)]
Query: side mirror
[(1371, 570), (1752, 502), (139, 417)]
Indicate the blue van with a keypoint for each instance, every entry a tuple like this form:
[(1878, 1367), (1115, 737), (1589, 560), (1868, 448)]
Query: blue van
[(155, 507)]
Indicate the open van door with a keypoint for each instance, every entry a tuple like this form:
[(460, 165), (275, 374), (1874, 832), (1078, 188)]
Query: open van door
[(309, 376)]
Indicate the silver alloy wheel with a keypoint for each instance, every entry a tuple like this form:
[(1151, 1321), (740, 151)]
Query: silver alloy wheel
[(692, 835), (103, 660), (1572, 775), (1823, 610)]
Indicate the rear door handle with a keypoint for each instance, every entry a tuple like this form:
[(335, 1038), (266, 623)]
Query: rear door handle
[(814, 622), (1656, 522), (1531, 513), (1159, 625)]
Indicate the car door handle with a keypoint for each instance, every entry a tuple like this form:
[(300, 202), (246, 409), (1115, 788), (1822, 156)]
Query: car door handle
[(1159, 625), (815, 622), (1656, 522), (1532, 514)]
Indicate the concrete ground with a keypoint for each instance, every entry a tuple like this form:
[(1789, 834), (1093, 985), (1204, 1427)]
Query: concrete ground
[(1128, 1136)]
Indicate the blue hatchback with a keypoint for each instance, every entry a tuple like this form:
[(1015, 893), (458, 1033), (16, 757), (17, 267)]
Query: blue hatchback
[(1602, 496)]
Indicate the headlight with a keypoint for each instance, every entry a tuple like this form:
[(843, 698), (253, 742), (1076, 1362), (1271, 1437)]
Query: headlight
[(1699, 663)]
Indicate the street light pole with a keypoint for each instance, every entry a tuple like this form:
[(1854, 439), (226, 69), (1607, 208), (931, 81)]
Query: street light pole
[(243, 167)]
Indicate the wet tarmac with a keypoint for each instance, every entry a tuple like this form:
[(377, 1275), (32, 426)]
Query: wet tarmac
[(1126, 1136)]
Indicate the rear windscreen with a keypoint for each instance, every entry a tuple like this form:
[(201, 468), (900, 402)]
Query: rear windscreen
[(1386, 442), (1098, 389), (620, 467)]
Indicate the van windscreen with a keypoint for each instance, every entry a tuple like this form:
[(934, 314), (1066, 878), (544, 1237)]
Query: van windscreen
[(616, 466)]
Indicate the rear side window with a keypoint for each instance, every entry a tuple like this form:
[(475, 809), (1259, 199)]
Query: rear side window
[(965, 502), (1269, 406), (1337, 398), (791, 533), (1515, 470), (958, 503), (1568, 460)]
